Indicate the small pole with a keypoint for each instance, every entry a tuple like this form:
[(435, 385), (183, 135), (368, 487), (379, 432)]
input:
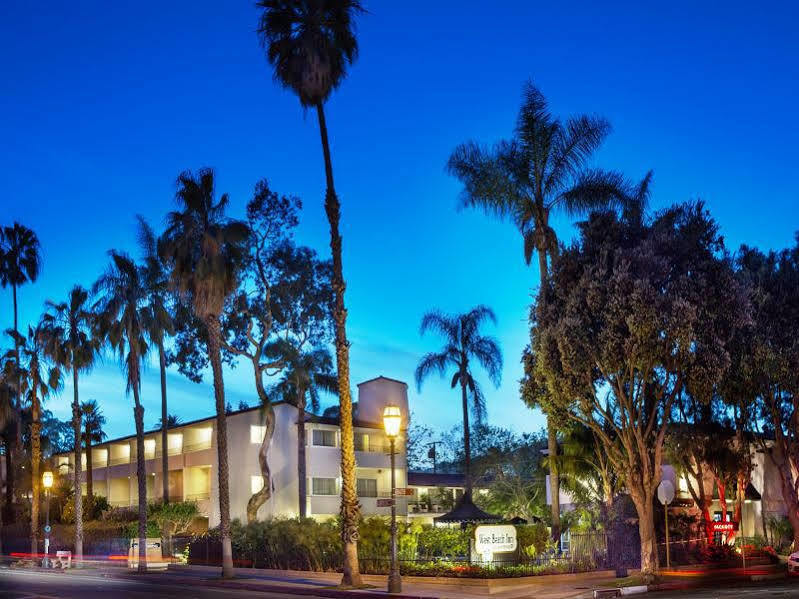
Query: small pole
[(394, 580), (743, 552), (668, 556), (47, 532)]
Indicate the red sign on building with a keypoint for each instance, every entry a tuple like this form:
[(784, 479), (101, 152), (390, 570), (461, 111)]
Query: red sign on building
[(724, 526)]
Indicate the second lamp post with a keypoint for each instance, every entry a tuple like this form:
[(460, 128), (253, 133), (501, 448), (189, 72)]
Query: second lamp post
[(392, 422)]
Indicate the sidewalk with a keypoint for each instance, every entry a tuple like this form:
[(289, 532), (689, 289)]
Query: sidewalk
[(323, 584)]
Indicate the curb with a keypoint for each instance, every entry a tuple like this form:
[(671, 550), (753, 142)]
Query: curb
[(269, 588)]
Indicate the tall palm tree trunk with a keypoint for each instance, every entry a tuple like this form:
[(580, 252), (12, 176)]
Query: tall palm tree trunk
[(301, 465), (89, 481), (215, 356), (552, 433), (350, 509), (164, 425), (467, 438), (10, 474), (8, 446), (141, 478), (36, 454), (76, 427)]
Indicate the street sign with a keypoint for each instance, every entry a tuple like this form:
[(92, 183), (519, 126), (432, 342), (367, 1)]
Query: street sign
[(400, 492), (385, 502), (724, 526), (665, 492)]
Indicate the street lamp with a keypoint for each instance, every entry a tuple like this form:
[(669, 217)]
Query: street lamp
[(47, 483), (392, 421)]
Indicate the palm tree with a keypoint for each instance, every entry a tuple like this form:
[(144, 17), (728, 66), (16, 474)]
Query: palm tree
[(20, 264), (157, 283), (306, 374), (72, 345), (93, 421), (171, 422), (463, 345), (542, 169), (38, 379), (123, 311), (311, 44), (203, 251)]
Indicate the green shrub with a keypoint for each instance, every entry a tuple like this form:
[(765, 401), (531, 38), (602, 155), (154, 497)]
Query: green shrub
[(533, 539), (436, 541), (92, 509)]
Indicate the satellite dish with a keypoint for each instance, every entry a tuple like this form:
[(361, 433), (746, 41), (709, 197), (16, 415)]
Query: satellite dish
[(666, 492)]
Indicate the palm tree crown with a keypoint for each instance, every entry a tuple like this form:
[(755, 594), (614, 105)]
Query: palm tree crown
[(463, 343), (306, 374), (310, 43), (69, 327), (93, 422), (202, 247), (542, 168), (21, 255)]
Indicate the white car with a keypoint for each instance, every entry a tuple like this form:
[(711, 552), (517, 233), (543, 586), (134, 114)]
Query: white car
[(793, 563)]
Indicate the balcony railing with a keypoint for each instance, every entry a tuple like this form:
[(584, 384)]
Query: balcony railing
[(124, 503), (118, 461), (371, 447), (198, 496), (188, 448), (170, 451)]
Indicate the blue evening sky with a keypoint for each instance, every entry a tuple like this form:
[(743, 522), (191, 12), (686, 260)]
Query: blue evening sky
[(103, 104)]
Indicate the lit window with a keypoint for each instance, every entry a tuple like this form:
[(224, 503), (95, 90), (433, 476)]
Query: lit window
[(367, 487), (257, 433), (323, 486), (149, 448), (361, 442), (256, 484), (323, 438)]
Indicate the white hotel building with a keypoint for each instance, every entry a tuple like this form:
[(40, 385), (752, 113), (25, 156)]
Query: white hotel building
[(193, 462)]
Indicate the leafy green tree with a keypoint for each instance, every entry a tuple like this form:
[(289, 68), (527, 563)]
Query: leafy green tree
[(38, 378), (306, 375), (73, 345), (464, 345), (511, 470), (770, 359), (20, 261), (93, 422), (123, 311), (203, 251), (632, 316), (159, 327), (541, 170), (311, 44)]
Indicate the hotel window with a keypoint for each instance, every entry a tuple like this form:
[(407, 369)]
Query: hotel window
[(257, 433), (323, 486), (361, 442), (323, 438), (367, 487)]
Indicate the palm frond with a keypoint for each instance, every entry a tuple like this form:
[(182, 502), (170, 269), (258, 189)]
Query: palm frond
[(431, 363)]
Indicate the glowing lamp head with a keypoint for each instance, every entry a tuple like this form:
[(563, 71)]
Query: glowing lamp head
[(47, 479), (392, 420)]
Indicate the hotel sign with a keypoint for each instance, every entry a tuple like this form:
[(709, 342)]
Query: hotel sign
[(495, 538)]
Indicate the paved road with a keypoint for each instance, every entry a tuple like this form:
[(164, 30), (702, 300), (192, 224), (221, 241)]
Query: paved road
[(58, 585), (763, 590)]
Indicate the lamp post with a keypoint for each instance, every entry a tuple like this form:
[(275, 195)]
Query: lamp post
[(47, 483), (392, 421)]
